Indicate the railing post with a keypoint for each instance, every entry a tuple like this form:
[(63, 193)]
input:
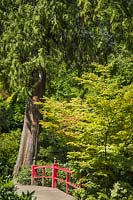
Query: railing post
[(54, 175), (33, 174), (67, 180), (43, 174)]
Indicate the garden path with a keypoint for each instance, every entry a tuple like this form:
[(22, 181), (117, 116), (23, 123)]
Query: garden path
[(44, 193)]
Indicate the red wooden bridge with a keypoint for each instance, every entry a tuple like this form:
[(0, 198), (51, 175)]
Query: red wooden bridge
[(39, 172), (46, 193)]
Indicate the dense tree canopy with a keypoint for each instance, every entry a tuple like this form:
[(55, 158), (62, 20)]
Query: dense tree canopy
[(52, 33)]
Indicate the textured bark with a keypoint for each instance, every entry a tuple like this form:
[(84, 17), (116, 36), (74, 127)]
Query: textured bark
[(29, 138)]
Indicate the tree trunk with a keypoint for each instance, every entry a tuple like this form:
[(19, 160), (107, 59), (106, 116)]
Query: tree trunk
[(29, 138)]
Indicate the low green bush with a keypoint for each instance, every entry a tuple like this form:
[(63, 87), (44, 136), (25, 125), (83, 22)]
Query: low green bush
[(122, 191), (8, 191), (9, 145), (24, 176)]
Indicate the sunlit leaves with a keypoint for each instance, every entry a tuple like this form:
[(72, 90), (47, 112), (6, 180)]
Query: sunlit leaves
[(97, 129)]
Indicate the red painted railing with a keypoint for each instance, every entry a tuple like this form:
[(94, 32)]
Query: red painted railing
[(54, 175)]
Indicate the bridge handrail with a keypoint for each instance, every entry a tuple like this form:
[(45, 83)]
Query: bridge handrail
[(55, 168)]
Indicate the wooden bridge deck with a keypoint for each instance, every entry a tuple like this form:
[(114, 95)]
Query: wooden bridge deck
[(44, 193)]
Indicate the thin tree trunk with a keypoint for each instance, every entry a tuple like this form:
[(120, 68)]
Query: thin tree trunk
[(29, 138)]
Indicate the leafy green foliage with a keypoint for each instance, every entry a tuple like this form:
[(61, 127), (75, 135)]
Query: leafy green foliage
[(3, 114), (91, 123), (122, 67), (24, 176), (97, 130), (9, 144), (11, 113), (8, 191), (28, 196), (51, 146), (122, 190), (57, 34)]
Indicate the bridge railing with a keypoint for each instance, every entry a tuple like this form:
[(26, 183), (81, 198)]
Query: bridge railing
[(36, 174)]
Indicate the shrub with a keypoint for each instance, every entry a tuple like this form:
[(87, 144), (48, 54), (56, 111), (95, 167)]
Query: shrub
[(122, 190), (8, 191), (24, 176), (9, 144)]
